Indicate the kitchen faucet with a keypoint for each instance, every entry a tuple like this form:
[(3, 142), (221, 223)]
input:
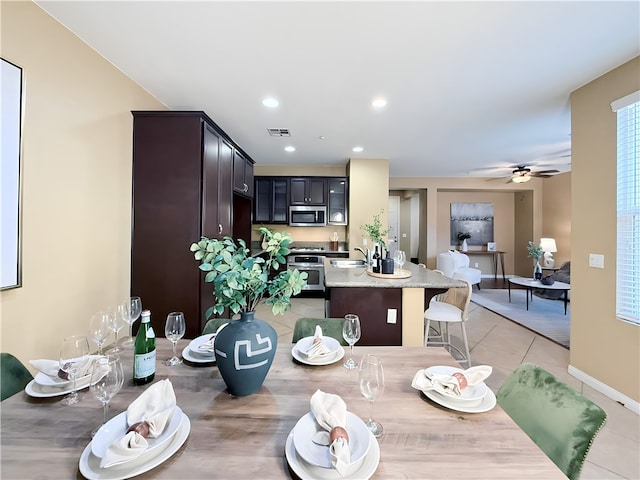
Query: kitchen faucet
[(367, 254)]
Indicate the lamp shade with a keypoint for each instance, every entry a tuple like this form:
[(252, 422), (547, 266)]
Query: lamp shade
[(548, 245), (520, 178)]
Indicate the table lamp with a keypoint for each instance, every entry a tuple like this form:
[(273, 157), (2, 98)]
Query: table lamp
[(548, 246)]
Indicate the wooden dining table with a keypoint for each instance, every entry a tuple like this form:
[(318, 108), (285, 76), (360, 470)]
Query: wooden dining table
[(244, 437)]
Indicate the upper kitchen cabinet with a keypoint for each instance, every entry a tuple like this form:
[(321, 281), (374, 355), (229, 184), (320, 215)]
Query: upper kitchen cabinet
[(242, 175), (308, 191), (271, 200), (182, 190), (337, 195)]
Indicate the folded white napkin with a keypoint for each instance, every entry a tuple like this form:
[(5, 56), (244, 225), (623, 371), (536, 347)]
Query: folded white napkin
[(155, 406), (452, 384), (208, 346), (318, 347), (51, 367), (331, 412)]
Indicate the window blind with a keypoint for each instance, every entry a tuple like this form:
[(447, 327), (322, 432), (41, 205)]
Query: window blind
[(628, 208)]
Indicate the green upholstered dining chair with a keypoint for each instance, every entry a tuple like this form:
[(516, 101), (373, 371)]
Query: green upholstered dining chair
[(562, 422), (14, 376), (212, 325), (331, 327)]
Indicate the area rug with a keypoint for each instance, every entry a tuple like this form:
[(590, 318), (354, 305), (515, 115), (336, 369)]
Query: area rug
[(545, 317)]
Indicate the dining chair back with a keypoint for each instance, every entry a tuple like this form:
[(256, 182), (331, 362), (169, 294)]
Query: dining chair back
[(212, 325), (331, 327), (451, 306), (562, 422), (14, 376)]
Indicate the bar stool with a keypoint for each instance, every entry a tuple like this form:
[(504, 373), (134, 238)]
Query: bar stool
[(449, 307)]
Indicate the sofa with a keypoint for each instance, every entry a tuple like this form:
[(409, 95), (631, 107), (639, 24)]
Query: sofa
[(563, 274), (455, 264)]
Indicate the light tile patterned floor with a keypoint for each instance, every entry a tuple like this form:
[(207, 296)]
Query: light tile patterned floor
[(496, 341)]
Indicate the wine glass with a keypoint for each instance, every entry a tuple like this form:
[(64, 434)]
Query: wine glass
[(99, 329), (115, 324), (399, 257), (371, 387), (107, 378), (129, 311), (174, 330), (351, 334), (74, 356)]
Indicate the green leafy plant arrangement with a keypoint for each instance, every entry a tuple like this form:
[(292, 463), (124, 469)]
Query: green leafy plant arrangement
[(240, 281), (463, 236), (374, 230), (535, 252)]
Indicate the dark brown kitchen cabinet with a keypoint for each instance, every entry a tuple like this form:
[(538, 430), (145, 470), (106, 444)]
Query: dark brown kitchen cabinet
[(182, 190), (242, 175), (308, 191), (337, 197), (271, 200)]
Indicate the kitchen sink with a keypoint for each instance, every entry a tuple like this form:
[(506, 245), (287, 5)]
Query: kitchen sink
[(347, 263)]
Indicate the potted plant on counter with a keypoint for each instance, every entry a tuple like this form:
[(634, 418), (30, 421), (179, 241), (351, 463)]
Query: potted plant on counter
[(245, 348), (374, 230)]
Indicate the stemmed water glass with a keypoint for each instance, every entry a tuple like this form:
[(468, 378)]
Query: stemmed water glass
[(74, 356), (129, 311), (99, 329), (174, 330), (371, 387), (107, 379), (116, 323), (351, 334), (399, 257)]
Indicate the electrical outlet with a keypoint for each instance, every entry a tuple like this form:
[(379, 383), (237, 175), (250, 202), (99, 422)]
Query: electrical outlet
[(596, 260), (392, 314), (476, 264)]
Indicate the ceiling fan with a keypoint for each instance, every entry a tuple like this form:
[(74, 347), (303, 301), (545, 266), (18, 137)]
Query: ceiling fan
[(522, 174)]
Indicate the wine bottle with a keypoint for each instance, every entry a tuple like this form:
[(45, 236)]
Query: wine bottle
[(375, 267), (144, 351), (387, 264)]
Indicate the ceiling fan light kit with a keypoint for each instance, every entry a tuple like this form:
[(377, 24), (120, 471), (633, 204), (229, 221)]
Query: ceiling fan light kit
[(520, 178)]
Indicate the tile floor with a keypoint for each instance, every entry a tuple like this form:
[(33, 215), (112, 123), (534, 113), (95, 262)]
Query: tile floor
[(496, 341)]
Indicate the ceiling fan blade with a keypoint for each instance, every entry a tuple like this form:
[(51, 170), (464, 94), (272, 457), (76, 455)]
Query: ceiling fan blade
[(546, 171)]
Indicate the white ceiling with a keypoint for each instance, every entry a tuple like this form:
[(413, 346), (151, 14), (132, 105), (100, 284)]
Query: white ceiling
[(469, 85)]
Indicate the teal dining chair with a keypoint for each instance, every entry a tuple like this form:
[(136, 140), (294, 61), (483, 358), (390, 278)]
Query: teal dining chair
[(212, 325), (14, 376), (331, 327), (562, 422)]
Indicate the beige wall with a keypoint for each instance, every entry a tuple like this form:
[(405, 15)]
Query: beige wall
[(601, 346), (76, 197), (556, 218)]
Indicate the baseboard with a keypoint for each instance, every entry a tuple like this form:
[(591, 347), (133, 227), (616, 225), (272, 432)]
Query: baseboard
[(605, 389)]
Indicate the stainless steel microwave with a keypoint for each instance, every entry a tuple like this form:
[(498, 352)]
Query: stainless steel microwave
[(307, 216)]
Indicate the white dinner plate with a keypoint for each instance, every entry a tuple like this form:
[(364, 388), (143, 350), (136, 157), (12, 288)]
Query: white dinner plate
[(308, 472), (34, 389), (117, 427), (488, 402), (470, 396), (189, 356), (46, 381), (337, 352), (90, 464), (196, 342), (319, 455)]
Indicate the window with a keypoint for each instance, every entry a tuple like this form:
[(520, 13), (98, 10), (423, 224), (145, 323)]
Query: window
[(628, 209)]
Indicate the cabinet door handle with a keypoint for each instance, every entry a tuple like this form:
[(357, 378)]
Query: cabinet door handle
[(246, 187), (219, 229)]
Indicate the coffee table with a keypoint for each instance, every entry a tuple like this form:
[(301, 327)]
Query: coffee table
[(529, 284)]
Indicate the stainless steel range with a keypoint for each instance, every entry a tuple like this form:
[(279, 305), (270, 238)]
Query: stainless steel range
[(306, 261)]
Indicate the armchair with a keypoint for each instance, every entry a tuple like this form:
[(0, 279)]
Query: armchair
[(454, 264)]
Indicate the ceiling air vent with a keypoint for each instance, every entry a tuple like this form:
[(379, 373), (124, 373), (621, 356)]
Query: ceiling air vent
[(279, 132)]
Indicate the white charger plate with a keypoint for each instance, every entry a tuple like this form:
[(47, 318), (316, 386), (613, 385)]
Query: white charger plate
[(117, 427), (189, 356), (46, 381), (196, 342), (470, 396), (306, 471), (304, 343), (319, 455), (90, 464), (488, 402), (34, 389)]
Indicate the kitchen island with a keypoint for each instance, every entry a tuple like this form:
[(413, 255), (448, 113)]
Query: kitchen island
[(391, 310)]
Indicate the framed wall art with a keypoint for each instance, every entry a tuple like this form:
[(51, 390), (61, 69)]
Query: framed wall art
[(473, 218)]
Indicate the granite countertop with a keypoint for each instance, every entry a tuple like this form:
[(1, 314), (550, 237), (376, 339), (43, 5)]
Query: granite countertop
[(358, 277)]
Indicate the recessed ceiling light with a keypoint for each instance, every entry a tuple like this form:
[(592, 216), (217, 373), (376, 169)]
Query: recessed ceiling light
[(322, 137), (290, 148), (270, 102), (378, 102), (357, 149)]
